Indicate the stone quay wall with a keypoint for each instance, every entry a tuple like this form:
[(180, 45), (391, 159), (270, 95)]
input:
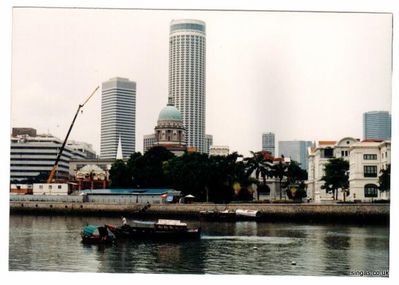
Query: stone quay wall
[(305, 212)]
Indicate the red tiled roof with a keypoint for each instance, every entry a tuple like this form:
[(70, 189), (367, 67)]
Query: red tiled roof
[(267, 155), (327, 142)]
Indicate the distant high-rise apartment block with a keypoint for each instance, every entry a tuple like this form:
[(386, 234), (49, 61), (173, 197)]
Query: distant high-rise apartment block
[(268, 143), (187, 77), (377, 125), (208, 142), (118, 117), (85, 149), (296, 150), (148, 142)]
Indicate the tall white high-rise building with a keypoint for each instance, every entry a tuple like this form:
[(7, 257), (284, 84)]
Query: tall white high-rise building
[(187, 77), (118, 117)]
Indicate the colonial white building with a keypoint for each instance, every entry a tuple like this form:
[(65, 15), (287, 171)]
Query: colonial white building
[(318, 157), (365, 158), (169, 131)]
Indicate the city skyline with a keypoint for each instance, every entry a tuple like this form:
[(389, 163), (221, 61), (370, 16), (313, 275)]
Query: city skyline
[(297, 78)]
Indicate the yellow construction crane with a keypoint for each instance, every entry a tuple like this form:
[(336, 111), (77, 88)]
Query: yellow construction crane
[(51, 176)]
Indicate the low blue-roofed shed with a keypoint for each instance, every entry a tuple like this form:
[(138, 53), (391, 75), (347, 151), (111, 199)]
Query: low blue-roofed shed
[(127, 191), (131, 195)]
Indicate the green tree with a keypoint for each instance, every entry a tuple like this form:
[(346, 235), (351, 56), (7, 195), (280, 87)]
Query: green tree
[(134, 166), (189, 173), (336, 176), (146, 171), (119, 175), (295, 182), (227, 178), (384, 180), (258, 164)]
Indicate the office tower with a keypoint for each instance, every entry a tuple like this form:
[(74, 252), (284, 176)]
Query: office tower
[(296, 150), (187, 77), (118, 117), (268, 143), (377, 125)]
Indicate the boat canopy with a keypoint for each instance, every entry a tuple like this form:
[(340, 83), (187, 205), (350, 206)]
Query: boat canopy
[(142, 224)]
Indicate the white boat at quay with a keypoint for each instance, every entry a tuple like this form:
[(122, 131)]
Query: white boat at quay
[(247, 213)]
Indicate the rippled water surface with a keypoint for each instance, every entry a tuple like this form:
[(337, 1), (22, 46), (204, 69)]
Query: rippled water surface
[(53, 244)]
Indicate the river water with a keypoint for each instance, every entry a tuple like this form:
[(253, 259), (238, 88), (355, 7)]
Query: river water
[(45, 243)]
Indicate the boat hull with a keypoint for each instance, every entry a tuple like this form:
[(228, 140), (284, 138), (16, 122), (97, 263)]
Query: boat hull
[(127, 232), (96, 240)]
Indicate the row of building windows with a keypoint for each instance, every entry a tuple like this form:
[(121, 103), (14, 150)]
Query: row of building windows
[(369, 156), (187, 26), (46, 169), (50, 164)]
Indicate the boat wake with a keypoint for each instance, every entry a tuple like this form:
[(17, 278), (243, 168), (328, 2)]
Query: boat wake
[(254, 239)]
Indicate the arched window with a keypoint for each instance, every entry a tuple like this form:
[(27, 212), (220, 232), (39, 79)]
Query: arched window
[(370, 190)]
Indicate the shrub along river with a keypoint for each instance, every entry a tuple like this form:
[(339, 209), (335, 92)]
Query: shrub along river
[(53, 243)]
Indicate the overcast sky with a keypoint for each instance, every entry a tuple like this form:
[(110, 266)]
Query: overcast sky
[(304, 76)]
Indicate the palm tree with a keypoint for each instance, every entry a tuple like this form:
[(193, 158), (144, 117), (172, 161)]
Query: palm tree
[(279, 171), (258, 164)]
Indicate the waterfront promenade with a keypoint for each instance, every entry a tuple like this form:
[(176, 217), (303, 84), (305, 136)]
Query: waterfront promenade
[(364, 213)]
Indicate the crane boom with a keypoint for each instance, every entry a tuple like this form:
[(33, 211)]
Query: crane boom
[(50, 178)]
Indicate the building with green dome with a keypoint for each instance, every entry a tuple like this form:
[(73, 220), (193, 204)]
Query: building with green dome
[(169, 131)]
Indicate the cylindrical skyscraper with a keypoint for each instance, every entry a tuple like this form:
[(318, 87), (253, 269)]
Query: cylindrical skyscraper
[(187, 77)]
